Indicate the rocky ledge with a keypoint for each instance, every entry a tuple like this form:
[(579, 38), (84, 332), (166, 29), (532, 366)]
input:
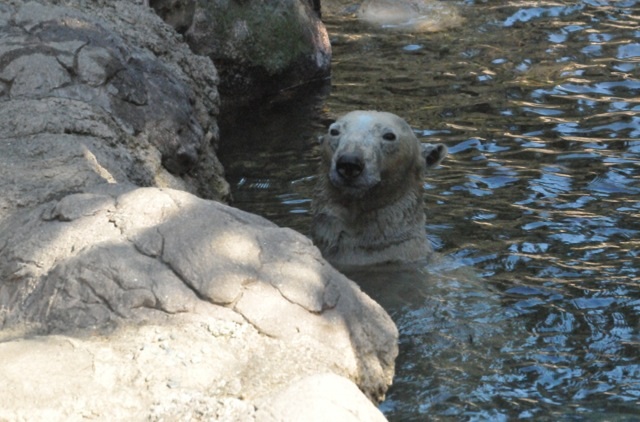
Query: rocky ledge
[(123, 295), (154, 302)]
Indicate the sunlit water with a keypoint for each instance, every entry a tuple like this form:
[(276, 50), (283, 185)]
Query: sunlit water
[(532, 307)]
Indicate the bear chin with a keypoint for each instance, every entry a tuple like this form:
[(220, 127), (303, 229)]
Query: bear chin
[(356, 189)]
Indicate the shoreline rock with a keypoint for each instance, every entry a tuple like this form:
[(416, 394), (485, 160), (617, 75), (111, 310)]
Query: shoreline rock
[(106, 271)]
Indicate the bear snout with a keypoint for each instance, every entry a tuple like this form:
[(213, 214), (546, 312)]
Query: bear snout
[(349, 166), (354, 173)]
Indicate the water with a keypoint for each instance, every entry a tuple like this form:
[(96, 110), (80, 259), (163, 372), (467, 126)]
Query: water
[(532, 308)]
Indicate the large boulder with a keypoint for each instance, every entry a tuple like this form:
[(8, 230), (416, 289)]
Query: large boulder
[(259, 47), (145, 301), (88, 72)]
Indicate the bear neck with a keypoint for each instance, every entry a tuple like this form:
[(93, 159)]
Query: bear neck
[(377, 228), (377, 200)]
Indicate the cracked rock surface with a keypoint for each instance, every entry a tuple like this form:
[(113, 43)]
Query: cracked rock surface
[(188, 302), (114, 72)]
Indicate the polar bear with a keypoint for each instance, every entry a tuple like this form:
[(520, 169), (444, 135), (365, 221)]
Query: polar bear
[(367, 206)]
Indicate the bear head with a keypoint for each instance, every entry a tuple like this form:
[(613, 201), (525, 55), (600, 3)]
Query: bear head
[(371, 153)]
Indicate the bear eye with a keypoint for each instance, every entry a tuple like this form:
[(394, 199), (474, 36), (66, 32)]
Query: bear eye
[(389, 136), (334, 132)]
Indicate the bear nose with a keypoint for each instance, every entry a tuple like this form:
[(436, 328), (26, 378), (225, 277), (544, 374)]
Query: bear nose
[(349, 166)]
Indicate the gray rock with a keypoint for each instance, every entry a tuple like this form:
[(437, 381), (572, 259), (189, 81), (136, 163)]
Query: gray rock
[(88, 58), (26, 82), (50, 147), (224, 301), (260, 48)]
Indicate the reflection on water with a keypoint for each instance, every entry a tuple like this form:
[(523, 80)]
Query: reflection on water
[(539, 103)]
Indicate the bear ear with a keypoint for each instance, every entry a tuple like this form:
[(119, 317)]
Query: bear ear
[(433, 154)]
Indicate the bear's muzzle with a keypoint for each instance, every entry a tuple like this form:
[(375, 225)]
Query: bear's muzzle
[(353, 173), (350, 166)]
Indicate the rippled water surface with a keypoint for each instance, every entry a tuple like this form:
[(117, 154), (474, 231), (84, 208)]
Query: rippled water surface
[(532, 307)]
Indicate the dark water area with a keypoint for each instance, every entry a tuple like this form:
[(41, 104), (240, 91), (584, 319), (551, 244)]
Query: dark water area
[(531, 308)]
